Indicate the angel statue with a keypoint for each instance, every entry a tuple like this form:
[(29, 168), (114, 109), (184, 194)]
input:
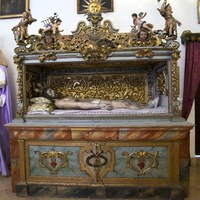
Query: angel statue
[(52, 24), (170, 22), (139, 24), (21, 29)]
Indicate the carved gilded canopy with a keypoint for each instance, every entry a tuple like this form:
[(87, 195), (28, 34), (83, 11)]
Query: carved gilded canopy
[(96, 44)]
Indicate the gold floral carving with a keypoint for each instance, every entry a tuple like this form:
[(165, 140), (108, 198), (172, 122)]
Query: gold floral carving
[(141, 161), (94, 53), (92, 42), (144, 53), (119, 86), (47, 56), (97, 159), (18, 60), (54, 160), (83, 28), (176, 82), (161, 83)]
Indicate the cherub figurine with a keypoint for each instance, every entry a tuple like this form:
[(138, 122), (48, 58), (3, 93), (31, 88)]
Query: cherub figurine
[(21, 29), (139, 23), (55, 26), (52, 24), (170, 22)]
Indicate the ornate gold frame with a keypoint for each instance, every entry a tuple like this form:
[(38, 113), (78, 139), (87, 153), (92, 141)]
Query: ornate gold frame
[(108, 5), (17, 12), (198, 10)]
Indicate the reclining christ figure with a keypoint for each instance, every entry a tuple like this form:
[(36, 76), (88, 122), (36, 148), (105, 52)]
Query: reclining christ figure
[(70, 103)]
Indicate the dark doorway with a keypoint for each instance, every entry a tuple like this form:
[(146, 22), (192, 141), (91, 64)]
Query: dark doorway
[(197, 122)]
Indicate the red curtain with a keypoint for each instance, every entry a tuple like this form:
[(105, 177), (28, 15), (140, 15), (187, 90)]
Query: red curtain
[(192, 76)]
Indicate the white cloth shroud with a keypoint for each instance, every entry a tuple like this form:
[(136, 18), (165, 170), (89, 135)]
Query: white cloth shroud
[(2, 99), (2, 78)]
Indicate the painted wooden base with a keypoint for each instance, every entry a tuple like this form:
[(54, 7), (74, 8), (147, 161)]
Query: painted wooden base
[(127, 160)]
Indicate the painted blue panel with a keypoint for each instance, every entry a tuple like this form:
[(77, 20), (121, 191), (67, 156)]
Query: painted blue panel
[(72, 170), (122, 171)]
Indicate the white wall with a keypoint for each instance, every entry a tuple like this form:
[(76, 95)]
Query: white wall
[(184, 10)]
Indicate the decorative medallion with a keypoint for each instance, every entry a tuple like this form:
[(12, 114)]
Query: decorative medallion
[(97, 159), (141, 161), (54, 160)]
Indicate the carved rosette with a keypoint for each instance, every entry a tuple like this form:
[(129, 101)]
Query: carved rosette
[(141, 161), (54, 160), (97, 159)]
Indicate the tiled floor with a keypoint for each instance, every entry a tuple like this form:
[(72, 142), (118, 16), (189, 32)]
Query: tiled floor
[(6, 193)]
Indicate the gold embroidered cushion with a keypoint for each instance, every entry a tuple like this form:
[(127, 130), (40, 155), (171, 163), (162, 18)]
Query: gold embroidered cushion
[(40, 100)]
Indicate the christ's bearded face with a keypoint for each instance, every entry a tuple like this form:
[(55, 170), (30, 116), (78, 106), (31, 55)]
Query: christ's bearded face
[(51, 94)]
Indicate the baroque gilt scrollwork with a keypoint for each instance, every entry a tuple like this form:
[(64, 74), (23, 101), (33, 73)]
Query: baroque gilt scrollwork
[(96, 41), (97, 159), (53, 160), (176, 82), (83, 28), (119, 86), (141, 161), (48, 55), (144, 53), (161, 82), (18, 61)]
